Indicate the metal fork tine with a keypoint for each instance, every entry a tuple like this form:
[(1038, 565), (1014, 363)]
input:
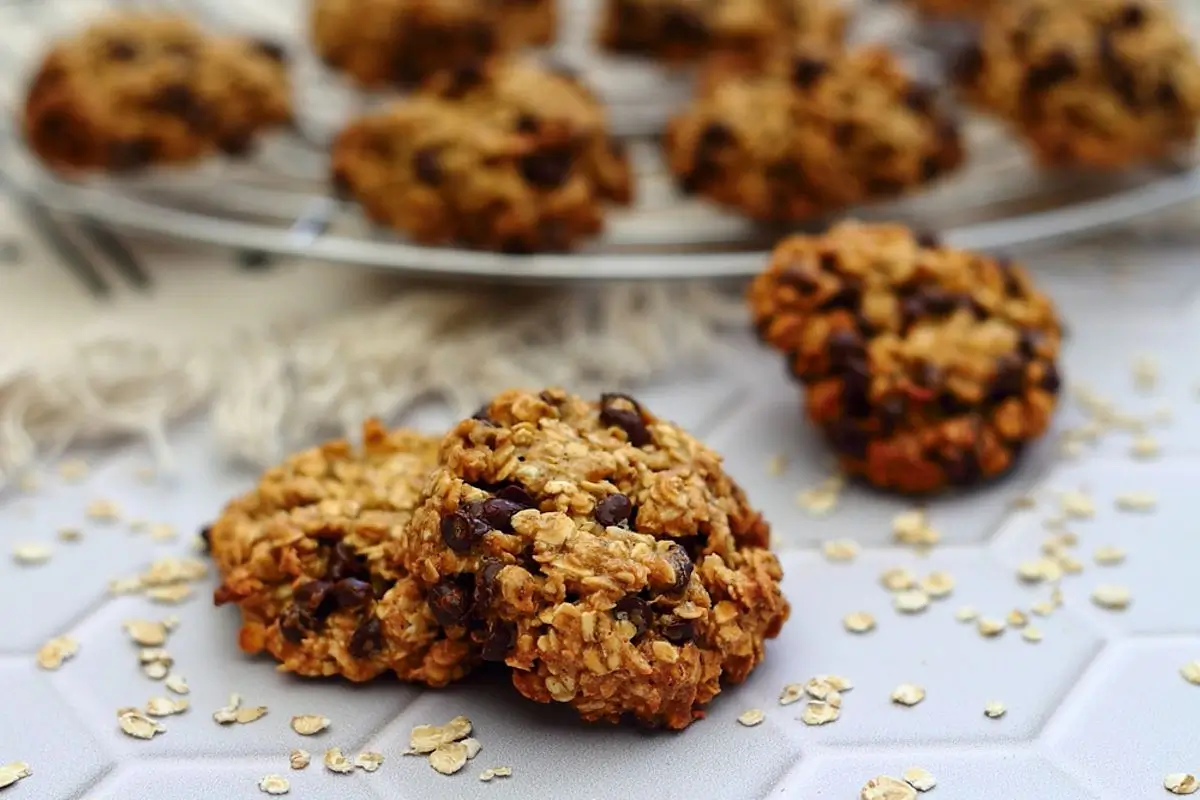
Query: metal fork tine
[(121, 257), (74, 259)]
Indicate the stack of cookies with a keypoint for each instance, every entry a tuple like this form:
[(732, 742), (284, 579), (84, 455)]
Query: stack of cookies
[(599, 553)]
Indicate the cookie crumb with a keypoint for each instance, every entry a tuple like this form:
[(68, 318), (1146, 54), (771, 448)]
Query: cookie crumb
[(1191, 672), (1181, 783), (920, 779), (885, 787), (911, 601), (335, 761), (1111, 597), (54, 653), (751, 717), (858, 622), (310, 724), (13, 772), (819, 712), (994, 710), (299, 759), (31, 554), (908, 694), (274, 784), (840, 550)]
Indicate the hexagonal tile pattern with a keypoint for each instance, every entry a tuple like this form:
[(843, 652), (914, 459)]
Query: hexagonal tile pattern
[(204, 779), (1135, 694)]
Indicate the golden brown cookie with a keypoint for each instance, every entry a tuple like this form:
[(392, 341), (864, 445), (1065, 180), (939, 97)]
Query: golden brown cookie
[(924, 366), (1089, 83), (600, 552), (303, 556), (401, 42), (814, 133), (133, 90)]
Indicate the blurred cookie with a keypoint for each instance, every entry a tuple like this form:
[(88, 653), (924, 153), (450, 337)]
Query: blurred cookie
[(924, 366), (1090, 83), (134, 90), (952, 9)]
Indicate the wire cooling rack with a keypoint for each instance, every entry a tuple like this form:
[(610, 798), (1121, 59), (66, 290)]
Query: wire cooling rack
[(279, 202)]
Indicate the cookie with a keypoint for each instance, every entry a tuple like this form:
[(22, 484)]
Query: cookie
[(1093, 83), (506, 157), (952, 9), (679, 31), (381, 43), (814, 133), (924, 366), (136, 90), (303, 556), (601, 553)]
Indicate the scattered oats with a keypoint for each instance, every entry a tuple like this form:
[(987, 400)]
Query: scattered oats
[(938, 584), (177, 684), (148, 655), (1111, 597), (1137, 501), (1043, 608), (1191, 672), (821, 686), (427, 738), (495, 772), (1070, 448), (1032, 634), (449, 758), (751, 717), (146, 632), (73, 469), (1017, 618), (920, 779), (244, 716), (897, 579), (11, 773), (299, 759), (818, 712), (473, 745), (172, 594), (885, 787), (1069, 564), (274, 784), (1024, 501), (29, 483), (69, 534), (1145, 372), (994, 710), (1145, 446), (966, 614), (228, 714), (1108, 555), (164, 571), (840, 550), (1056, 596), (859, 622), (103, 511), (991, 627), (137, 525), (912, 527), (31, 553), (1054, 523), (136, 724), (55, 652), (1038, 570), (165, 706), (171, 622), (791, 694), (908, 694), (155, 670), (310, 724), (1077, 504), (1181, 783), (836, 682), (776, 465), (834, 698), (130, 585), (336, 761), (368, 760), (145, 474), (162, 532), (912, 601), (821, 499)]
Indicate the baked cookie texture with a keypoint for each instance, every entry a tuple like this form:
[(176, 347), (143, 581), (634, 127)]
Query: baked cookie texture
[(813, 133), (134, 90), (303, 556), (381, 43), (925, 367), (681, 31), (600, 552), (1090, 83), (507, 156)]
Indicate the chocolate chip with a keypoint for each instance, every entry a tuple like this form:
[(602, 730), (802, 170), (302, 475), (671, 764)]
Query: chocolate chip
[(627, 419), (684, 26), (1029, 342), (460, 532), (497, 513), (927, 375), (1117, 74), (449, 602), (295, 623), (206, 538), (715, 135), (968, 65), (931, 167), (938, 301), (613, 510), (635, 611), (962, 467), (515, 494), (498, 638), (880, 186), (844, 134), (844, 346), (481, 36), (848, 439), (681, 565), (1166, 95), (891, 415), (928, 240), (345, 563), (367, 638), (526, 123), (912, 310), (271, 49), (797, 277), (678, 631), (1131, 15), (121, 50), (236, 143), (848, 297), (856, 390), (486, 582), (1057, 67), (340, 185), (311, 596), (1051, 381), (951, 405), (351, 593), (547, 169), (463, 79), (130, 155), (482, 415), (1009, 380), (921, 99), (806, 71)]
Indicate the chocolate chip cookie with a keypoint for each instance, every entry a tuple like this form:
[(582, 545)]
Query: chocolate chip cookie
[(677, 31), (924, 366), (134, 90), (303, 557), (401, 42), (506, 157), (815, 132), (1091, 83), (598, 551)]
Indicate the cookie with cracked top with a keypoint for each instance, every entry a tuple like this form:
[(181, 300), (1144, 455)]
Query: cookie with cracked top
[(812, 133), (382, 43), (681, 31), (925, 367), (303, 556), (600, 552), (1094, 83), (135, 90)]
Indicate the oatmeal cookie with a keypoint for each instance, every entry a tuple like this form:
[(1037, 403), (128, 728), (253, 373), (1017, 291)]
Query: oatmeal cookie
[(679, 31), (1092, 83), (380, 43), (508, 157), (600, 552), (816, 132), (303, 557), (924, 366), (133, 90)]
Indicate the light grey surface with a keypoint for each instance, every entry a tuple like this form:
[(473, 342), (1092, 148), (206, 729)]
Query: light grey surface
[(1097, 710)]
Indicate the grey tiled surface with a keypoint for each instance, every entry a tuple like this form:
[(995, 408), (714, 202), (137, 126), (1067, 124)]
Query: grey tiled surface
[(1097, 710)]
